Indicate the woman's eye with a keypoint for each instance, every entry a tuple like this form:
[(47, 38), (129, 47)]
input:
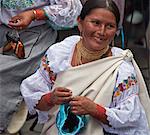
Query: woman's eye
[(110, 26), (95, 22)]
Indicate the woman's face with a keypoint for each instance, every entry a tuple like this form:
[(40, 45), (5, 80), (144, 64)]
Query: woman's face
[(98, 28)]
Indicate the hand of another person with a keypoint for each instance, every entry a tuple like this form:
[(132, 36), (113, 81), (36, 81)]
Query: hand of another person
[(21, 20), (60, 95), (82, 105)]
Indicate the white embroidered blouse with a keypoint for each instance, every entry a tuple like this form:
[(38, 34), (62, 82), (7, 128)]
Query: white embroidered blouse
[(125, 114)]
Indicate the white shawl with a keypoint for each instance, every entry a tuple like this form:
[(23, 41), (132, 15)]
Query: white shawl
[(96, 80)]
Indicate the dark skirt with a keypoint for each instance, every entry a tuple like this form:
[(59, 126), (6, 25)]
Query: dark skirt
[(13, 70)]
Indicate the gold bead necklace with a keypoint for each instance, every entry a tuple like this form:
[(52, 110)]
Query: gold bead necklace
[(83, 53)]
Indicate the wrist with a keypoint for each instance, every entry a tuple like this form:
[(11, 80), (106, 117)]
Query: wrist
[(100, 114), (38, 14), (47, 98), (34, 14), (100, 110)]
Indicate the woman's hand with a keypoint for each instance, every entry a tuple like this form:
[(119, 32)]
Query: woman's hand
[(60, 95), (82, 105), (21, 20)]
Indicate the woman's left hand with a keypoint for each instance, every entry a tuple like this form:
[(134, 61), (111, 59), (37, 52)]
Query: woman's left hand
[(82, 105), (21, 20)]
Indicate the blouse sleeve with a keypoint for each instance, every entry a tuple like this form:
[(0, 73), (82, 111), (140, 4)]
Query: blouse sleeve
[(63, 13), (37, 85), (126, 115), (55, 60)]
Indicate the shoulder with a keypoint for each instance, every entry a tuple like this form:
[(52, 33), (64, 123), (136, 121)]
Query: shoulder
[(125, 64), (59, 54), (116, 51), (64, 46), (126, 68)]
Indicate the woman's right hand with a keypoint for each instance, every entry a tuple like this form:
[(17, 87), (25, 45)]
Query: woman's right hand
[(21, 20), (60, 95)]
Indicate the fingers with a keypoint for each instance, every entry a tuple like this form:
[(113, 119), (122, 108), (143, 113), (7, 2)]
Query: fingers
[(15, 19), (61, 95), (62, 100), (75, 106), (74, 102), (21, 20), (63, 92), (15, 22), (79, 105), (78, 110), (62, 89)]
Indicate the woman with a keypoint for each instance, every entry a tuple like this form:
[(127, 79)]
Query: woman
[(33, 23), (94, 84)]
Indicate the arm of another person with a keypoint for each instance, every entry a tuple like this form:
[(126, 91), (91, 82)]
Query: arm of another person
[(59, 14)]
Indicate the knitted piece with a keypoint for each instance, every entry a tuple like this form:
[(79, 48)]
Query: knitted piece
[(69, 123)]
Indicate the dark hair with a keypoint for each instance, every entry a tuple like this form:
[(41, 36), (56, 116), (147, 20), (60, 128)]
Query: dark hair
[(93, 4)]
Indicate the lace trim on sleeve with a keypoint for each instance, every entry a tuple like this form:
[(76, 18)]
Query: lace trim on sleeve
[(63, 13), (126, 118)]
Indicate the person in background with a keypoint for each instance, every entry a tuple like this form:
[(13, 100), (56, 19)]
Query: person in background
[(27, 29), (85, 86), (139, 15)]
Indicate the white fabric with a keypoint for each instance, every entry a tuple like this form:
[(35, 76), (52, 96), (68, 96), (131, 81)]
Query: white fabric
[(18, 119), (59, 56), (60, 12)]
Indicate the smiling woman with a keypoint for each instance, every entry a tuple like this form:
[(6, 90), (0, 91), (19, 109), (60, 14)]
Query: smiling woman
[(101, 30), (95, 85)]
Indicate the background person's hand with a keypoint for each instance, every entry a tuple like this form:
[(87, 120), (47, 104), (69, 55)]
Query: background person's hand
[(21, 20), (82, 105), (60, 95)]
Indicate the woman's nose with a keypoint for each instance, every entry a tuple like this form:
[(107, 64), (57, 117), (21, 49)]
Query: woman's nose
[(102, 30)]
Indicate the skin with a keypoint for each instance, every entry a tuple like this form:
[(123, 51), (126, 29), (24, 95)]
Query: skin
[(101, 32), (98, 30), (59, 96), (23, 19)]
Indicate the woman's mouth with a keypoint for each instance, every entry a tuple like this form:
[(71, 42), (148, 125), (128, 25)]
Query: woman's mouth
[(99, 39)]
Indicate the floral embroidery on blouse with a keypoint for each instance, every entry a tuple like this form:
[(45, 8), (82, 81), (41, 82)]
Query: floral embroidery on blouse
[(125, 85), (45, 64), (17, 4)]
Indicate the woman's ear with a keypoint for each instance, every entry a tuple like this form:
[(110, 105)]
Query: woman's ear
[(79, 20)]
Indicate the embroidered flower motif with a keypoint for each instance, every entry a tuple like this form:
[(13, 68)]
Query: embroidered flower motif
[(53, 78), (45, 64), (125, 85), (117, 93)]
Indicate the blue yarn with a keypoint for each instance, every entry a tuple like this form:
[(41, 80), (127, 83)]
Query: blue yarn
[(68, 123), (122, 38)]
